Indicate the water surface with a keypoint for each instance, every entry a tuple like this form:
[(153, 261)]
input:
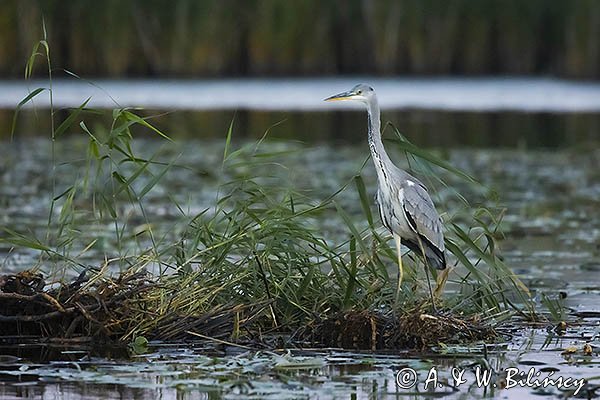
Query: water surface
[(552, 234), (452, 94), (541, 159)]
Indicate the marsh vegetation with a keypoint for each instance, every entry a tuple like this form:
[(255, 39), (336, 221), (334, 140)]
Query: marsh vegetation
[(256, 261), (252, 38), (234, 245)]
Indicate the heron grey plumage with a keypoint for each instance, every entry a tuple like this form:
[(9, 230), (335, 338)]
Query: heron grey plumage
[(405, 207)]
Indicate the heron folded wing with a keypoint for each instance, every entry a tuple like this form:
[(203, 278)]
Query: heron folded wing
[(422, 215)]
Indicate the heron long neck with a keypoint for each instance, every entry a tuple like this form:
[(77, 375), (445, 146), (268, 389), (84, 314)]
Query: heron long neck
[(380, 158)]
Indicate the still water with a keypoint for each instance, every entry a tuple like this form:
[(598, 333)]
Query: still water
[(451, 94), (486, 112), (552, 235), (544, 168)]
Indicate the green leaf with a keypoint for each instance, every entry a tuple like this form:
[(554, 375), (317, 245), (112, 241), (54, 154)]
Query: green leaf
[(69, 120), (364, 199), (306, 281), (351, 273), (21, 240), (139, 345), (30, 96), (31, 60), (137, 119), (108, 206), (352, 228), (155, 179), (20, 105), (407, 146), (228, 141), (120, 178)]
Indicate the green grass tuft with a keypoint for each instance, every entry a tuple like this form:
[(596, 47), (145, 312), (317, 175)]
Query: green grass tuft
[(257, 261)]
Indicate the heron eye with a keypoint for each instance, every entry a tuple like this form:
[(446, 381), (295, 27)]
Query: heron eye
[(359, 92)]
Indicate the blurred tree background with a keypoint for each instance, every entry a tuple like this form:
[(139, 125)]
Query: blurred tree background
[(210, 38)]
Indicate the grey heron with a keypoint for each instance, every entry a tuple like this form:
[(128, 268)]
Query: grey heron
[(405, 207)]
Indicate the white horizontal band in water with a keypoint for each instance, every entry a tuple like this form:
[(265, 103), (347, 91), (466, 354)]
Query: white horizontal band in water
[(453, 94)]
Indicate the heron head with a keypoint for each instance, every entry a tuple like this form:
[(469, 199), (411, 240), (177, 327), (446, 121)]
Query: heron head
[(360, 92)]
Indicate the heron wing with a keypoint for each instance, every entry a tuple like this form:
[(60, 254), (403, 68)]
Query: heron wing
[(421, 214)]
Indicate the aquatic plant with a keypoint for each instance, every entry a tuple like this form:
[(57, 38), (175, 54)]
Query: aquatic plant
[(254, 264)]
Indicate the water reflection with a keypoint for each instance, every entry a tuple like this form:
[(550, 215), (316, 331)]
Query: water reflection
[(426, 128), (186, 372)]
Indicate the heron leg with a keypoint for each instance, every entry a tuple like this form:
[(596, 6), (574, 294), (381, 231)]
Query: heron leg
[(398, 240), (441, 281), (426, 264), (429, 286)]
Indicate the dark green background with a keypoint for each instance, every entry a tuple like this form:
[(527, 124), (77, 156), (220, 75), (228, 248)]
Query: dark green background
[(214, 38)]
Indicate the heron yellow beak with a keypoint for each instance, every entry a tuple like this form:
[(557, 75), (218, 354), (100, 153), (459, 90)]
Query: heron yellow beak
[(341, 96)]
